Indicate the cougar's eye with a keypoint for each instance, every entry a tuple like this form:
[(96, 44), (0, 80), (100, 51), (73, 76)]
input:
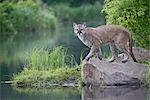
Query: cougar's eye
[(81, 29), (77, 29)]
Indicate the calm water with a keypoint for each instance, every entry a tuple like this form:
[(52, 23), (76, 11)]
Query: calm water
[(15, 49), (9, 93), (116, 93)]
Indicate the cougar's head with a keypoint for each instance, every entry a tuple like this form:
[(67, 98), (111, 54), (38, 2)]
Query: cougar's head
[(79, 29)]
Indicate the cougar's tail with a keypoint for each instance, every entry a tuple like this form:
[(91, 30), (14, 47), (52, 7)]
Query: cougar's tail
[(131, 51)]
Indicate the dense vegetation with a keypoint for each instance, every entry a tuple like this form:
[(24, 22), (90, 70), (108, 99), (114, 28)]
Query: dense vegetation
[(64, 12), (25, 16), (30, 15), (45, 68), (132, 14)]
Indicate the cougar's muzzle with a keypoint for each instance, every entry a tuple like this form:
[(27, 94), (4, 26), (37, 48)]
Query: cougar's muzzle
[(80, 32)]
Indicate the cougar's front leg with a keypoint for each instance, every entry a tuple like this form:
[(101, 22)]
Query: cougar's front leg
[(93, 50), (114, 52)]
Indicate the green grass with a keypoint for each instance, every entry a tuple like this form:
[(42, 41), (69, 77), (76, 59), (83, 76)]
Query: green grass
[(33, 77), (147, 82), (58, 57), (148, 72), (54, 67)]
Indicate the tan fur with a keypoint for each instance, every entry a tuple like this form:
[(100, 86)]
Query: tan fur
[(94, 37)]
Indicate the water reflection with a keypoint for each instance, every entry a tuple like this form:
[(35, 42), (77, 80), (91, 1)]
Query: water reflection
[(115, 93), (10, 93)]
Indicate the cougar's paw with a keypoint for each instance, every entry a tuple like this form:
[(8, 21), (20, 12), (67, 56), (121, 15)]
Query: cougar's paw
[(111, 60), (100, 58), (87, 59), (124, 61)]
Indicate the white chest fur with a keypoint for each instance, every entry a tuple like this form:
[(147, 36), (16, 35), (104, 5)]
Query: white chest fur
[(84, 40)]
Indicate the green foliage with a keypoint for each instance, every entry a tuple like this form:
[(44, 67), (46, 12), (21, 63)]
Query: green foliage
[(145, 62), (53, 76), (43, 60), (83, 13), (50, 67), (132, 14), (59, 75), (28, 16), (147, 83), (25, 16)]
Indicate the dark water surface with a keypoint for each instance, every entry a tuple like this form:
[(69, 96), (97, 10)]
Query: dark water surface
[(10, 93), (115, 93)]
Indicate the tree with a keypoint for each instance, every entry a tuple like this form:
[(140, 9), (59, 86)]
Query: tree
[(132, 14)]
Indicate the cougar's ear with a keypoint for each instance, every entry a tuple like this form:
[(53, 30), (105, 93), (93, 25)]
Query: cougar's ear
[(84, 23), (74, 24)]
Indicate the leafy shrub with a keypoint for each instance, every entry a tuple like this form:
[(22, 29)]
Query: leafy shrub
[(132, 14)]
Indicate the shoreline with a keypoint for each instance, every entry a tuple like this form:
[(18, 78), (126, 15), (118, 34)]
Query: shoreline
[(67, 85)]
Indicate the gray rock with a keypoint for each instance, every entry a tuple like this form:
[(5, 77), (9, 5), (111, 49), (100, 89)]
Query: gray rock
[(99, 72), (141, 54)]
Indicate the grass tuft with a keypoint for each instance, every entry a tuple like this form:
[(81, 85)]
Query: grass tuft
[(48, 67)]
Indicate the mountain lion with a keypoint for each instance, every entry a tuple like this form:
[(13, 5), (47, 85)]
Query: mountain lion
[(118, 37)]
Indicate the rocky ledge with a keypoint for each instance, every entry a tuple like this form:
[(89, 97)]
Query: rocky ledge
[(98, 72)]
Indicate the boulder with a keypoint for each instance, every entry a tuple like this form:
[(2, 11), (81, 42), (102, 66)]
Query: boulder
[(98, 72), (141, 54)]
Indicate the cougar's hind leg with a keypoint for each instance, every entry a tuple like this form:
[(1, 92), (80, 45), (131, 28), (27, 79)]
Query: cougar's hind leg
[(122, 48), (114, 52), (125, 59), (99, 54)]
